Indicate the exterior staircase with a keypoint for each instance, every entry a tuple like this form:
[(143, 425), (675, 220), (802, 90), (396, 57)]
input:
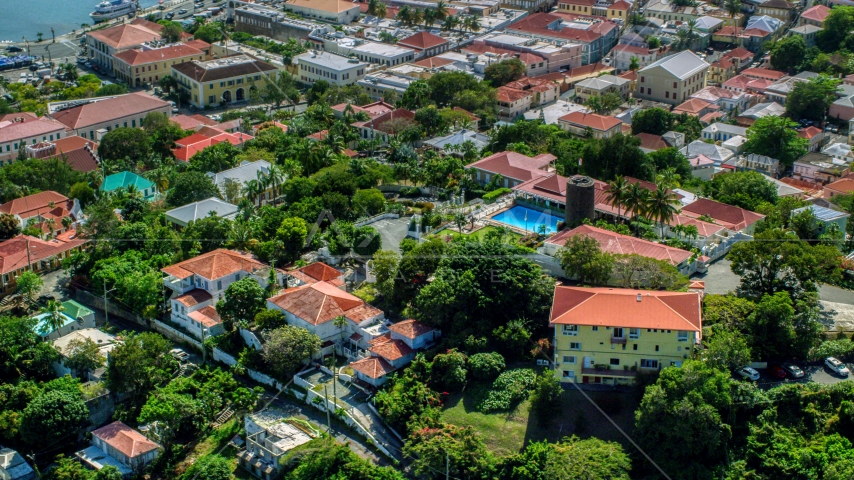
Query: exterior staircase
[(223, 417)]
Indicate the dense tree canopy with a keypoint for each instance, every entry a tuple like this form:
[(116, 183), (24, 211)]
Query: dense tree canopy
[(775, 137)]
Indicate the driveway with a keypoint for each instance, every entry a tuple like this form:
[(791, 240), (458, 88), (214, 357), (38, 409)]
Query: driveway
[(720, 280), (813, 373), (392, 231)]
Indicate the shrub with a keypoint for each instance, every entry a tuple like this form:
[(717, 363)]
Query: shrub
[(406, 202), (486, 366), (424, 205), (409, 192), (840, 349), (449, 370), (491, 196), (510, 388)]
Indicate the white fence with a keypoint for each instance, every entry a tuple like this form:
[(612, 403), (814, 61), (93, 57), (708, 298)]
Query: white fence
[(259, 377), (375, 218), (177, 335)]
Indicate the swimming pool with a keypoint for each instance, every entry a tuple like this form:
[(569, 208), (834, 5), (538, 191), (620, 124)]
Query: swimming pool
[(525, 218)]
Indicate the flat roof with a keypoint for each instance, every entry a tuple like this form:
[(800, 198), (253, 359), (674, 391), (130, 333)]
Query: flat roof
[(383, 49), (329, 60)]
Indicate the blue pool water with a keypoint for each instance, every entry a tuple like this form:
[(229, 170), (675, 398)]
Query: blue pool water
[(515, 217)]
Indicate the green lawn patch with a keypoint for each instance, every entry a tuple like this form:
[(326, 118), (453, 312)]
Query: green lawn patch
[(478, 234)]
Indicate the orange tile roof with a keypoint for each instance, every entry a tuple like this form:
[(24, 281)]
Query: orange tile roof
[(596, 122), (373, 367), (615, 243), (422, 41), (843, 185), (739, 53), (13, 252), (410, 328), (433, 62), (192, 122), (621, 5), (651, 142), (125, 439), (106, 110), (619, 307), (321, 302), (128, 35), (729, 216), (207, 316), (391, 350), (386, 337), (316, 272), (36, 204), (763, 73), (693, 106), (379, 123), (509, 95), (319, 136), (215, 264), (195, 143), (194, 297)]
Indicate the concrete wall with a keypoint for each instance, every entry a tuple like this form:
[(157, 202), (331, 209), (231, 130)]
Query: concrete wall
[(176, 335)]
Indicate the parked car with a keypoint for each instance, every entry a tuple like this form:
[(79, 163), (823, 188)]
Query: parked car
[(170, 15), (748, 373), (835, 129), (14, 48), (33, 67), (836, 366), (179, 354), (182, 11), (777, 371), (81, 60), (793, 370)]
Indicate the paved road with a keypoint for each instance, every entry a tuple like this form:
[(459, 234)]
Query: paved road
[(720, 280), (392, 231)]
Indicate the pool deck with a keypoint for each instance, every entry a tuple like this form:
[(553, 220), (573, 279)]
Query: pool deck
[(490, 221)]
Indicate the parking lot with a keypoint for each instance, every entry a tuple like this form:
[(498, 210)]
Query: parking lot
[(817, 373)]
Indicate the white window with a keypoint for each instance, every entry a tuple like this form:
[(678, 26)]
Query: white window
[(575, 346), (569, 359), (634, 333), (568, 374), (571, 330), (682, 336), (645, 363)]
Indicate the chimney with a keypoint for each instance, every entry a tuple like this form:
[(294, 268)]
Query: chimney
[(640, 297)]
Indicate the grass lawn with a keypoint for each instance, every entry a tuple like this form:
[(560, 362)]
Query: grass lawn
[(478, 234), (215, 443), (509, 432)]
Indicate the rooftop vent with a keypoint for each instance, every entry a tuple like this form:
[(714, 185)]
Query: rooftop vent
[(640, 297)]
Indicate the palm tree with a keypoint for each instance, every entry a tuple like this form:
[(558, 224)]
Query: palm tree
[(252, 190), (417, 17), (340, 322), (617, 193), (39, 36), (636, 200), (372, 7), (51, 226), (634, 64), (474, 24), (276, 177), (542, 229), (733, 7), (449, 23), (660, 206), (460, 221), (55, 319), (336, 143), (429, 17), (404, 15), (669, 178), (441, 10), (381, 11)]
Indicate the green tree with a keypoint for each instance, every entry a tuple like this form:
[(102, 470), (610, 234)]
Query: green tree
[(573, 458), (636, 271), (83, 356), (776, 137), (270, 319), (29, 284), (812, 98), (486, 366), (171, 31), (368, 202), (53, 417), (139, 364), (210, 467), (546, 397), (209, 32), (656, 121), (366, 241), (215, 158), (83, 193), (726, 349), (125, 143), (191, 187), (582, 258), (670, 159), (384, 265), (449, 448), (604, 104), (431, 121), (504, 72), (788, 53), (112, 89), (742, 189), (243, 300), (836, 29), (9, 226), (288, 347)]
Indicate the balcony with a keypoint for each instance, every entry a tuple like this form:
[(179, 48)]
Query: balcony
[(618, 340), (608, 372)]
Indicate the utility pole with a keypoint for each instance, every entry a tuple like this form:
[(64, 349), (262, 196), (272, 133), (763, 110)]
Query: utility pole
[(328, 420), (106, 305), (447, 466)]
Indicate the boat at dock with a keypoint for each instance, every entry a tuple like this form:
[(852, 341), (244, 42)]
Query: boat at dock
[(110, 9)]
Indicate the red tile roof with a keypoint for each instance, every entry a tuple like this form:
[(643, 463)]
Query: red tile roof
[(514, 165), (75, 152), (139, 57), (106, 110), (816, 13), (379, 123), (207, 316), (206, 137), (619, 307), (125, 439), (392, 350), (739, 53), (509, 95), (194, 297), (596, 122), (734, 218), (192, 122), (612, 242), (422, 41), (410, 328), (693, 106), (215, 264), (373, 110), (843, 185), (620, 5), (651, 142), (763, 73), (433, 62), (321, 302), (809, 132), (13, 252), (588, 69), (538, 24), (373, 367)]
